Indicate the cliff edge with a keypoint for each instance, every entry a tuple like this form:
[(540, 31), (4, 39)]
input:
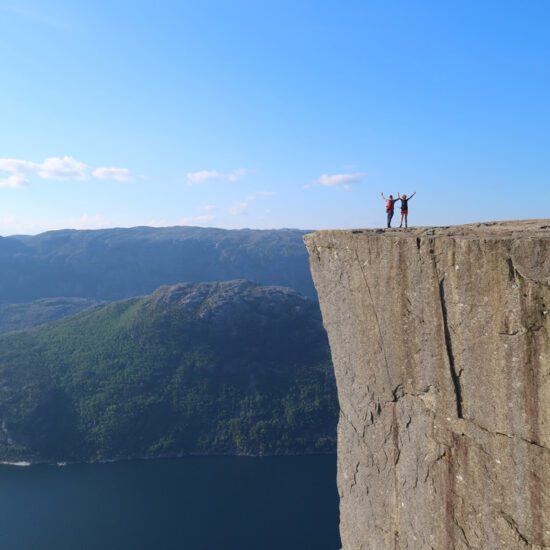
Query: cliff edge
[(440, 339)]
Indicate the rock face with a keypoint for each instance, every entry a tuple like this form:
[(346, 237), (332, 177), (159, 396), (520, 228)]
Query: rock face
[(440, 339)]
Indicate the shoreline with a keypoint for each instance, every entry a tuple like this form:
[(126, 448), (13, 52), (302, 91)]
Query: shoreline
[(63, 463)]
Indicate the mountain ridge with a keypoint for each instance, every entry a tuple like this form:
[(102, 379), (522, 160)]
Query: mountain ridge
[(113, 264)]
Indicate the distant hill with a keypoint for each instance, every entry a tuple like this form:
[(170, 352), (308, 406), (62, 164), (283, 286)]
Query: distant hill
[(23, 316), (112, 264), (231, 367)]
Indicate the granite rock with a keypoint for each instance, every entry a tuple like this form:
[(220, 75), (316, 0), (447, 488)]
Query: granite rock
[(440, 339)]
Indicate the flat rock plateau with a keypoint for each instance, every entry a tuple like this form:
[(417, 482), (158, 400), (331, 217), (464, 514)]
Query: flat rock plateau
[(440, 339)]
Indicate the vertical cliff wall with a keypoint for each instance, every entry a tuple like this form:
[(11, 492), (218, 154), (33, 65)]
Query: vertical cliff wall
[(441, 345)]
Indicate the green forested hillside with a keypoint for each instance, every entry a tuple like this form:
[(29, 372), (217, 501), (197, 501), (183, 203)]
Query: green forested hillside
[(230, 367)]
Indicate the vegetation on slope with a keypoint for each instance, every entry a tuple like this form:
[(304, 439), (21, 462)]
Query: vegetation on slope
[(230, 367), (27, 315)]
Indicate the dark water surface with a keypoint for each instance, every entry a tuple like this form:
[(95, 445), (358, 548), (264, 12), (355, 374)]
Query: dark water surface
[(205, 503)]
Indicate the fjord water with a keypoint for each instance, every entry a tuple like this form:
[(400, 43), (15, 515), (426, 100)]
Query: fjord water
[(198, 503)]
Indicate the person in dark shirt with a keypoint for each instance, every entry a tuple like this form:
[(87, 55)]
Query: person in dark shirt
[(390, 202), (404, 207)]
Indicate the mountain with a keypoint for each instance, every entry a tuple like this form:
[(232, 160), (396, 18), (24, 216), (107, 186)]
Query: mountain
[(23, 316), (112, 264), (231, 367)]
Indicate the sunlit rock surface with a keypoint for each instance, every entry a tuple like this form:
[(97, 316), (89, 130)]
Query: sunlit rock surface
[(440, 339)]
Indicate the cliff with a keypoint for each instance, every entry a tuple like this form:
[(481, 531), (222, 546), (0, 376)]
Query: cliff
[(440, 339)]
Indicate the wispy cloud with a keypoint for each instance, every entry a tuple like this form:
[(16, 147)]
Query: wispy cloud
[(241, 208), (15, 165), (112, 173), (206, 215), (15, 181), (60, 168), (202, 176), (10, 225), (342, 181)]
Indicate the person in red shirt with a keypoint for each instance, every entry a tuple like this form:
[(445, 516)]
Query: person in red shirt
[(390, 202)]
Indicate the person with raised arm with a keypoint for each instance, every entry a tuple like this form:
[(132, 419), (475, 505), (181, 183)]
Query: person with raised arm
[(390, 202), (404, 207)]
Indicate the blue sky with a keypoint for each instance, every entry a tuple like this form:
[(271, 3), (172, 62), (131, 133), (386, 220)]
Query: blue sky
[(242, 113)]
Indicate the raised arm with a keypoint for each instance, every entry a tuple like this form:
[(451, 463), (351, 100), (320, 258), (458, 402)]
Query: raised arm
[(384, 197), (412, 195)]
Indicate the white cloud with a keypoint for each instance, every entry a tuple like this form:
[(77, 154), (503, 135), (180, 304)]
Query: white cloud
[(62, 169), (344, 181), (113, 173), (15, 181), (202, 176), (19, 166), (65, 168), (54, 168)]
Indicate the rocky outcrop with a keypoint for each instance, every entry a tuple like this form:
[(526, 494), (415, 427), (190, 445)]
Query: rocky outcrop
[(440, 339)]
